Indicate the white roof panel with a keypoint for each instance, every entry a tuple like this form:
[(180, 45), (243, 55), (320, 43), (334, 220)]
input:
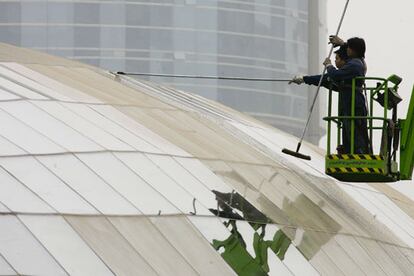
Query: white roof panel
[(7, 96), (153, 246), (94, 137), (184, 179), (22, 250), (8, 148), (73, 254), (120, 133), (46, 185), (67, 92), (30, 84), (366, 263), (20, 90), (57, 131), (129, 184), (181, 234), (204, 174), (154, 176), (110, 246), (18, 198), (4, 209), (139, 130), (25, 137), (5, 268), (88, 185)]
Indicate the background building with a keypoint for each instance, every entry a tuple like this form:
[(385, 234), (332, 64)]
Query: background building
[(254, 39)]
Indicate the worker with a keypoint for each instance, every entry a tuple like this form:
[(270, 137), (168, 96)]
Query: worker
[(348, 67), (356, 50), (341, 57)]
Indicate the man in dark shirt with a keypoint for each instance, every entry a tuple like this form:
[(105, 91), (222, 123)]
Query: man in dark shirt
[(341, 80)]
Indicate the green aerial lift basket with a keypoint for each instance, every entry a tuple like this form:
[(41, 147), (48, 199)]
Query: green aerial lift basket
[(359, 167), (395, 134)]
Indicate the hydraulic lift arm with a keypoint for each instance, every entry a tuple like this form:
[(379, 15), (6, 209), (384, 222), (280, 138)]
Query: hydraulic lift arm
[(407, 142)]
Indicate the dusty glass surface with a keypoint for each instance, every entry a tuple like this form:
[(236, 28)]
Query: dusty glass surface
[(67, 92), (66, 246), (204, 174), (193, 129), (153, 246), (107, 87), (110, 246), (212, 228), (181, 233), (87, 184), (228, 175), (160, 181), (121, 134), (268, 139), (180, 135), (366, 262), (139, 130), (95, 137), (296, 262), (278, 197), (46, 185), (363, 198), (324, 265), (394, 217), (400, 257), (388, 263), (183, 178), (341, 258), (129, 184), (72, 80), (23, 251), (30, 84)]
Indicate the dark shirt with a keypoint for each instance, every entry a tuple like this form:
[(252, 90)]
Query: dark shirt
[(341, 80)]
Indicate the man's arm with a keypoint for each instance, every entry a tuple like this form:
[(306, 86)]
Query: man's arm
[(314, 80), (347, 72)]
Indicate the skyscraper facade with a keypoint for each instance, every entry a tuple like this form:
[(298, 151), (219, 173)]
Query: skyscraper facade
[(246, 39)]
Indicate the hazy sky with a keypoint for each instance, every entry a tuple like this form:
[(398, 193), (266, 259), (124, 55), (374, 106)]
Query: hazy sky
[(388, 29)]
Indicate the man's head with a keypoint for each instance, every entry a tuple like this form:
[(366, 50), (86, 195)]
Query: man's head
[(341, 56), (356, 47)]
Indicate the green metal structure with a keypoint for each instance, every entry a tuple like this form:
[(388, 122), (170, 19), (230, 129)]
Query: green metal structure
[(396, 135)]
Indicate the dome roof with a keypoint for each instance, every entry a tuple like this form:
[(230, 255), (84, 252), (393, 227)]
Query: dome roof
[(103, 174)]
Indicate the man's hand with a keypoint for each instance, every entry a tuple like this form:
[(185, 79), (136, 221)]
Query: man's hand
[(327, 62), (297, 80), (336, 40)]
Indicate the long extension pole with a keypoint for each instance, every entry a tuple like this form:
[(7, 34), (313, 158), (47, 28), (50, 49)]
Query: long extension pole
[(200, 77), (297, 154)]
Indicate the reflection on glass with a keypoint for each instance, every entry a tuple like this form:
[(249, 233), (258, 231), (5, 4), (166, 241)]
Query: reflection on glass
[(234, 207)]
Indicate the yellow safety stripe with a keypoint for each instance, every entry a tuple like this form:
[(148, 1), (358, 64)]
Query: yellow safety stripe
[(354, 156), (355, 170), (366, 170)]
